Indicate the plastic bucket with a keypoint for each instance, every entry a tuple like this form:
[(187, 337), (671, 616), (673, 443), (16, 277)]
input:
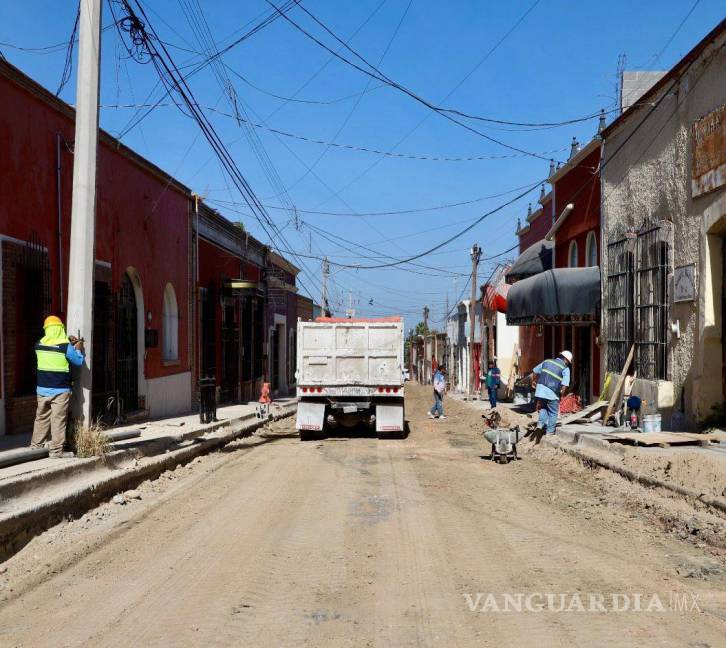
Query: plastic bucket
[(651, 423)]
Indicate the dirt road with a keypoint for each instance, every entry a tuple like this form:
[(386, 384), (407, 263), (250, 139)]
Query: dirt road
[(360, 542)]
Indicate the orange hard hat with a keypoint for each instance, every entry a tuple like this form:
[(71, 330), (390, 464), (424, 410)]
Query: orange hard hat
[(52, 320)]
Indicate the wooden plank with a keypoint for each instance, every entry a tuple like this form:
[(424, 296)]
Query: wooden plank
[(615, 398), (513, 372), (583, 413), (660, 438)]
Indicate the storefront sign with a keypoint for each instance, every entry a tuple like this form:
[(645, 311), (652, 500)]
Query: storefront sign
[(684, 283), (708, 168)]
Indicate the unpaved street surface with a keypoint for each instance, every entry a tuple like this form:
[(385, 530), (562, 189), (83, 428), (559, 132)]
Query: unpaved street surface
[(360, 542)]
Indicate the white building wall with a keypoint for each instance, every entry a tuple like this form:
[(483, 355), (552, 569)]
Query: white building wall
[(646, 172)]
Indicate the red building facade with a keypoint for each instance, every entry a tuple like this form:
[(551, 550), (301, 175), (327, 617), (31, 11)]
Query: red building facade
[(150, 344), (538, 223), (577, 245), (141, 319)]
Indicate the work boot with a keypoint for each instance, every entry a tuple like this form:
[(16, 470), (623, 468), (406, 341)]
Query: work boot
[(62, 455), (431, 415)]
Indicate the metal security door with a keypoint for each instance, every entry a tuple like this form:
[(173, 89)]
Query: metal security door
[(275, 358), (230, 354), (103, 401), (127, 381)]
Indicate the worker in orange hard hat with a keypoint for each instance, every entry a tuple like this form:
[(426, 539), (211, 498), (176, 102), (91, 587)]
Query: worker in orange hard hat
[(55, 353)]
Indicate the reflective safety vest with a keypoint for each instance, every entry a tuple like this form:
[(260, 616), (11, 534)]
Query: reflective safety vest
[(53, 367), (551, 374)]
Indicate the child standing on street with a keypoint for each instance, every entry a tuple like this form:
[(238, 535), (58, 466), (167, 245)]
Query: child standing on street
[(493, 380)]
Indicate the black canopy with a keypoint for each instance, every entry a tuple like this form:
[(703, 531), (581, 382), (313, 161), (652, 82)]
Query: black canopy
[(564, 295), (535, 259)]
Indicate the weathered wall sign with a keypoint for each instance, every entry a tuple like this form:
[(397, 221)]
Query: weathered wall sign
[(684, 283), (708, 167)]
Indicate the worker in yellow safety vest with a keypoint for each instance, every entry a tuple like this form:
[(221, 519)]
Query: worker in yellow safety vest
[(551, 378), (55, 353)]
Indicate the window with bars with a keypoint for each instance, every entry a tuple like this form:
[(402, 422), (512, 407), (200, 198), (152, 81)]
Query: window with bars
[(638, 265), (651, 299)]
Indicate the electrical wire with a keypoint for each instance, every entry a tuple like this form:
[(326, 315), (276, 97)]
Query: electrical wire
[(378, 75), (169, 73), (350, 147), (68, 64)]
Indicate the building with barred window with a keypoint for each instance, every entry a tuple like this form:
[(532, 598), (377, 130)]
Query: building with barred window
[(663, 238)]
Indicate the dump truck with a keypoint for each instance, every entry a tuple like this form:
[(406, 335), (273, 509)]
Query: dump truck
[(350, 373)]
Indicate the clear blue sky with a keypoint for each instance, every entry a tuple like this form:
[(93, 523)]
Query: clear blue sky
[(558, 63)]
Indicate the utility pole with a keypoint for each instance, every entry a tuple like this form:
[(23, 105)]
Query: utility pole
[(350, 313), (475, 258), (324, 296), (426, 319), (83, 208)]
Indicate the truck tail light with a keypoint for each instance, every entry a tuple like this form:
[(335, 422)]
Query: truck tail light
[(320, 390), (304, 390)]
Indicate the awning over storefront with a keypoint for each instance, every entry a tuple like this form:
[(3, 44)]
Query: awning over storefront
[(535, 259), (563, 295)]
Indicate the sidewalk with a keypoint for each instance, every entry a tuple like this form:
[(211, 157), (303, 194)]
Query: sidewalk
[(694, 470), (36, 494), (163, 432)]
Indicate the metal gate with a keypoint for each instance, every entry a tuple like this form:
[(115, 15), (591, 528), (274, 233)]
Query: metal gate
[(32, 304), (127, 377), (104, 401)]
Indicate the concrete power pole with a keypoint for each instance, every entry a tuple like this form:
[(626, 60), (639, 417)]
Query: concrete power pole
[(83, 210), (426, 319), (475, 258)]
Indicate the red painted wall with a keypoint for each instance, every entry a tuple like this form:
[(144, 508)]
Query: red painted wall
[(537, 228), (139, 214), (581, 187)]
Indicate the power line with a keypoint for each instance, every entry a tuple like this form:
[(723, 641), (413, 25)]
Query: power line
[(143, 44), (68, 65), (351, 147), (378, 75)]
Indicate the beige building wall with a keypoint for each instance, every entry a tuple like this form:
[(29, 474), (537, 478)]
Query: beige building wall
[(647, 173)]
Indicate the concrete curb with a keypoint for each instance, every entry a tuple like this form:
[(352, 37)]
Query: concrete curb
[(19, 527), (136, 450), (645, 480)]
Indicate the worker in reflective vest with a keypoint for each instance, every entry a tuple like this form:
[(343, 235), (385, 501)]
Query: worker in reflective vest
[(551, 378), (55, 352)]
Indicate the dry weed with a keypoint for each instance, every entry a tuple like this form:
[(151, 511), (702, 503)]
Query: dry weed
[(90, 441)]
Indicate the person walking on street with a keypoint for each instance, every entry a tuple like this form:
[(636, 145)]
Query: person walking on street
[(55, 352), (552, 378), (437, 411), (493, 380)]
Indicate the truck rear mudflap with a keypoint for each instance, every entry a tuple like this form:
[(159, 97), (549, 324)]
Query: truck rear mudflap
[(310, 420), (390, 420)]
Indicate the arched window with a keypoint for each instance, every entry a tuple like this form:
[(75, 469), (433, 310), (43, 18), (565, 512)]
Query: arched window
[(572, 255), (171, 325), (591, 250)]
